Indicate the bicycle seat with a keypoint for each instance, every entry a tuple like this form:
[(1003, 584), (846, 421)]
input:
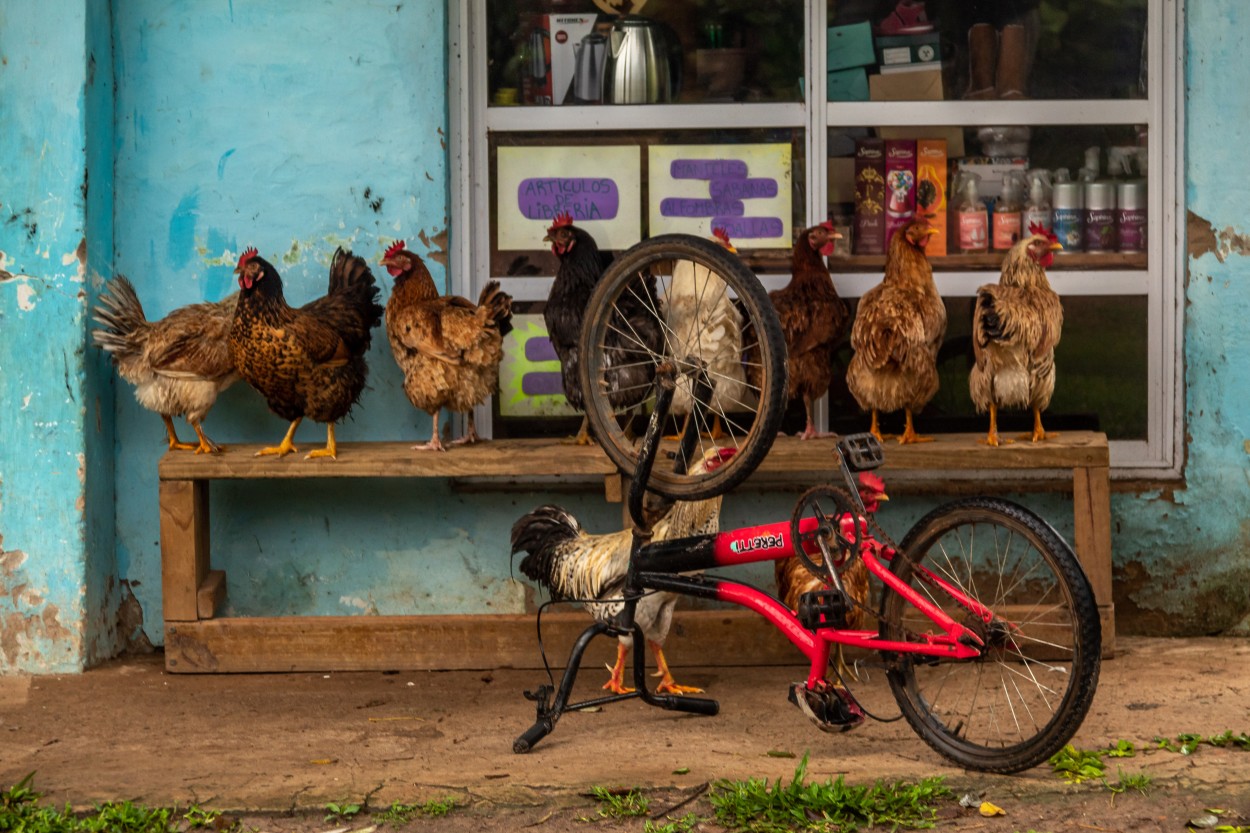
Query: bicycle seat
[(862, 452)]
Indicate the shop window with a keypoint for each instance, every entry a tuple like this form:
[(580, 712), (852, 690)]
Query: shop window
[(1051, 106)]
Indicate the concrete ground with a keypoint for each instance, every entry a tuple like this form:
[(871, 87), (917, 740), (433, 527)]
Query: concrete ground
[(278, 742)]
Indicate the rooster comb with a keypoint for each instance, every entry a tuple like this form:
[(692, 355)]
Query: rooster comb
[(721, 234), (873, 482), (395, 248), (561, 220), (247, 255), (827, 225), (1038, 228)]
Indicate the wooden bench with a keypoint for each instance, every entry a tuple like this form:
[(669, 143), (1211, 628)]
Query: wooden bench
[(196, 640)]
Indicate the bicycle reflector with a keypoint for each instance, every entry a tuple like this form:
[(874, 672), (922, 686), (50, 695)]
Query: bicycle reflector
[(862, 452)]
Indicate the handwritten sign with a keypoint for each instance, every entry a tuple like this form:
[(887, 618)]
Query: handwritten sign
[(742, 188), (599, 186)]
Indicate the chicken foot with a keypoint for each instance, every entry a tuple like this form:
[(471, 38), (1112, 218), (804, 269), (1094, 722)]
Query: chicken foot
[(616, 683), (909, 432), (331, 449), (435, 444), (583, 434), (286, 446), (809, 430), (206, 445), (470, 436), (992, 438), (174, 443), (667, 684), (1039, 433)]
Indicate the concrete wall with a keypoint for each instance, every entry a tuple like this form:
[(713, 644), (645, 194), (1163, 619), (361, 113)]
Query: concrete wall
[(296, 128)]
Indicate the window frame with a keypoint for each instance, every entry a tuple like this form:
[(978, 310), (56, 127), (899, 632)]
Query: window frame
[(1159, 457)]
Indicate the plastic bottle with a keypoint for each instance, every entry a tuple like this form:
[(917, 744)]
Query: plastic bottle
[(1037, 209), (1090, 171), (1007, 212), (973, 219)]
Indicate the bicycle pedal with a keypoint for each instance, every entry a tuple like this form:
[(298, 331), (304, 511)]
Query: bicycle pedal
[(862, 452), (823, 609), (832, 709)]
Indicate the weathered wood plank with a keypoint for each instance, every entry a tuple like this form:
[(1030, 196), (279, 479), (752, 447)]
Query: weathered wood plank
[(184, 546), (211, 594), (453, 642)]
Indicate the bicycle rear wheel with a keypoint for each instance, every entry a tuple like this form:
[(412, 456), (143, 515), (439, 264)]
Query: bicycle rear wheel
[(1026, 695), (684, 301)]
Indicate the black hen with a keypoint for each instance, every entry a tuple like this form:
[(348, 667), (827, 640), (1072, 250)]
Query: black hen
[(310, 361), (636, 326)]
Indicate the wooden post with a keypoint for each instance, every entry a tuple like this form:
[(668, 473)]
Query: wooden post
[(1091, 505), (184, 546)]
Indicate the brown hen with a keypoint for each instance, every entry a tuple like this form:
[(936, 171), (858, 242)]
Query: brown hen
[(448, 348), (794, 578), (178, 364), (813, 317), (899, 327), (307, 361), (1015, 326)]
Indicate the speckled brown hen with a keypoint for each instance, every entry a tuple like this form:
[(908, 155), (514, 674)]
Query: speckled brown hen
[(813, 317), (307, 361), (899, 327), (178, 364), (448, 348), (1015, 326)]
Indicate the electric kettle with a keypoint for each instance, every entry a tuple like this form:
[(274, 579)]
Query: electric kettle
[(588, 60), (643, 63)]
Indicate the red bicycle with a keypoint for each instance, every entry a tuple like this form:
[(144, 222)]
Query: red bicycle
[(987, 626)]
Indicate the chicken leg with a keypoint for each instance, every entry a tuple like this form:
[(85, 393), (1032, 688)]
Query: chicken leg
[(206, 445), (471, 436), (992, 438), (331, 449), (809, 431), (616, 683), (1039, 433), (286, 446), (909, 432), (435, 444), (667, 684), (174, 443)]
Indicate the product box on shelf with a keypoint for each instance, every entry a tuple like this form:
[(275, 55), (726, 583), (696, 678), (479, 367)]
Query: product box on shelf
[(553, 55), (921, 85), (869, 197), (896, 50), (931, 189), (900, 185), (849, 46), (992, 169), (847, 85)]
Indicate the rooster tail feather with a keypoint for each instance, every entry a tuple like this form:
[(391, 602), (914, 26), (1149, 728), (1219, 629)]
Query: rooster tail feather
[(350, 276), (121, 313), (498, 306), (540, 533)]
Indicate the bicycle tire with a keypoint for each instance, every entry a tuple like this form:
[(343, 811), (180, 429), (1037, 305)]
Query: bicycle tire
[(1026, 695), (623, 290)]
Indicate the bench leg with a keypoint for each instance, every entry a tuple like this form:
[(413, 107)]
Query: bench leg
[(184, 548), (1091, 499)]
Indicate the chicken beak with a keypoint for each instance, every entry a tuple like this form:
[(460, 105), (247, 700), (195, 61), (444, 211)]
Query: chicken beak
[(929, 232), (883, 497), (1056, 246)]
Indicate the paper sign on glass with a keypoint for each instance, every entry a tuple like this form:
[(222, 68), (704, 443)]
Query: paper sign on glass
[(744, 189), (599, 186)]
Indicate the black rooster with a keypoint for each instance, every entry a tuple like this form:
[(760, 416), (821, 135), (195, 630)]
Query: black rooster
[(581, 266)]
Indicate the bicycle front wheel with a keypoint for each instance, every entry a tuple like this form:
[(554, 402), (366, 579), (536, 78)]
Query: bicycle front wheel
[(683, 301), (1024, 697)]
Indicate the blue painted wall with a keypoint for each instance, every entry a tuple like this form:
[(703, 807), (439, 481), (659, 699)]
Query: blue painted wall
[(211, 127)]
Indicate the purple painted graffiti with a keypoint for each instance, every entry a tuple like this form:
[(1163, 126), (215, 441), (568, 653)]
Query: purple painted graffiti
[(743, 189), (539, 349), (694, 207), (542, 384), (707, 169), (586, 198), (750, 227)]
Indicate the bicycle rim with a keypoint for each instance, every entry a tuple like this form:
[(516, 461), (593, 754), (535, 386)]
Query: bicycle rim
[(1026, 695), (682, 300)]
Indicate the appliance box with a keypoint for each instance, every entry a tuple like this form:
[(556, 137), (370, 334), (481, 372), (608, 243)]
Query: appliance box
[(562, 34)]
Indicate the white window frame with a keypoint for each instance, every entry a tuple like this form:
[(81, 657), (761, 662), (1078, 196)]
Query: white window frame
[(1159, 457)]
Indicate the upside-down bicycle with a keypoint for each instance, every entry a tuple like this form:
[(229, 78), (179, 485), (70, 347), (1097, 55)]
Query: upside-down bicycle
[(987, 626)]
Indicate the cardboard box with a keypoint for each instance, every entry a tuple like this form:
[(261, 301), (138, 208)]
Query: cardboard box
[(900, 185), (840, 172), (552, 75), (924, 85), (908, 49), (869, 197), (847, 85), (931, 187), (849, 46)]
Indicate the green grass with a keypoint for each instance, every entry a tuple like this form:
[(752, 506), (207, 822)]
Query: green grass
[(760, 807), (617, 804), (399, 813)]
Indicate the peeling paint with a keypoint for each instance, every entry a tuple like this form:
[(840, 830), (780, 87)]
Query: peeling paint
[(1202, 239)]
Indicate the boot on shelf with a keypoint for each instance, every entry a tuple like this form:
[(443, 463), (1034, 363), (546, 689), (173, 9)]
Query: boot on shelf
[(982, 57), (1014, 62)]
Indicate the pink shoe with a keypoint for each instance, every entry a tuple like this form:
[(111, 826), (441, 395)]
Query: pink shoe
[(908, 18)]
